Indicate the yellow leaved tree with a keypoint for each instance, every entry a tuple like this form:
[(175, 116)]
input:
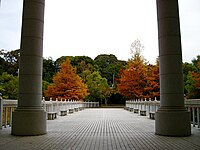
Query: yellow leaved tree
[(67, 84)]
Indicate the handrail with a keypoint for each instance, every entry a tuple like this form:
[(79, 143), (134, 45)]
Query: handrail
[(8, 106), (193, 105)]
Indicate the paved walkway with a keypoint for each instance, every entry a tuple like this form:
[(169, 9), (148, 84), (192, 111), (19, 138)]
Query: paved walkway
[(103, 129)]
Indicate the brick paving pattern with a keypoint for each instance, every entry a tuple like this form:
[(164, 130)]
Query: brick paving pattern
[(100, 129)]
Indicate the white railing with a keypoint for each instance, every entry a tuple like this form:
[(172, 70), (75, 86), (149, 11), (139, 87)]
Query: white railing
[(145, 105), (57, 106), (193, 105), (91, 104), (8, 106)]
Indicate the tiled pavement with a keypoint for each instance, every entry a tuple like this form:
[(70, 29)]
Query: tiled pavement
[(103, 129)]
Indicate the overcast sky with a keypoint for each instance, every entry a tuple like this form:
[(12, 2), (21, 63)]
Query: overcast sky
[(93, 27)]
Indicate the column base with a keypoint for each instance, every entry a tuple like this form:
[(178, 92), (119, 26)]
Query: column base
[(29, 122), (172, 122)]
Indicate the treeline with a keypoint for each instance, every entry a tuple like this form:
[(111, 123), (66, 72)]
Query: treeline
[(107, 79), (98, 75)]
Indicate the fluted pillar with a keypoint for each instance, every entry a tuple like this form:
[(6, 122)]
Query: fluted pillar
[(29, 118), (172, 118)]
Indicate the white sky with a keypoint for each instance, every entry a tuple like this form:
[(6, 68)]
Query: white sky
[(93, 27)]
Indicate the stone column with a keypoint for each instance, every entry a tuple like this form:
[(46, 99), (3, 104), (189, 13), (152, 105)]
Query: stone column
[(29, 118), (172, 119)]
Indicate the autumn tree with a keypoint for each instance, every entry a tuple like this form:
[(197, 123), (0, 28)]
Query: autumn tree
[(139, 79), (152, 88), (196, 77), (133, 79), (67, 84)]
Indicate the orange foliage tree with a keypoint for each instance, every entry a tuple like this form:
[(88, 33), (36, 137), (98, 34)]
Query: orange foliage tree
[(133, 79), (153, 84), (196, 76), (196, 79), (139, 80), (67, 84)]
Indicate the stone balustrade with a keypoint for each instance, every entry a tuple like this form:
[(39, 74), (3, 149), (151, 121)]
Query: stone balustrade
[(6, 108), (143, 107), (58, 107), (149, 107), (193, 106)]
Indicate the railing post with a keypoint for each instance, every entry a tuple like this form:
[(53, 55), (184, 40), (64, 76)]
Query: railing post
[(56, 106), (10, 123), (5, 117), (65, 105), (149, 105), (44, 104), (51, 104), (193, 116), (68, 104), (198, 119), (1, 111)]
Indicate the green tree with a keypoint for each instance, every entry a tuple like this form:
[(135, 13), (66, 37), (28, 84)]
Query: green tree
[(84, 75), (189, 86), (196, 61), (2, 63), (8, 86), (49, 69), (109, 66), (10, 61), (45, 85), (81, 63), (97, 87), (191, 77), (187, 68)]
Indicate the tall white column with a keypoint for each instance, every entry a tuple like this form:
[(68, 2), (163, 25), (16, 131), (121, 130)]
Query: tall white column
[(29, 118), (172, 119)]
